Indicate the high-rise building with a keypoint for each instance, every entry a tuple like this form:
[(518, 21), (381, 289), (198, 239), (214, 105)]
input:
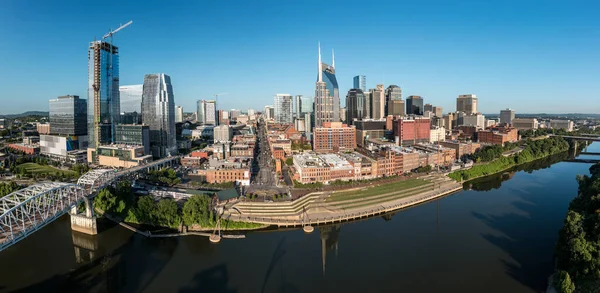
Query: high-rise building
[(178, 114), (414, 105), (131, 98), (307, 104), (360, 82), (68, 116), (507, 116), (206, 113), (158, 112), (428, 107), (355, 105), (412, 130), (327, 97), (132, 134), (395, 107), (269, 112), (104, 104), (334, 137), (283, 108), (235, 113), (223, 134), (392, 92), (377, 96), (297, 106), (466, 103), (343, 112), (476, 119), (438, 111)]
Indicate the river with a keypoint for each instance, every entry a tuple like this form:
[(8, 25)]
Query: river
[(497, 235)]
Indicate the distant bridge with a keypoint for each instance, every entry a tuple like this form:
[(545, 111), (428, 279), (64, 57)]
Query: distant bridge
[(585, 137), (27, 210)]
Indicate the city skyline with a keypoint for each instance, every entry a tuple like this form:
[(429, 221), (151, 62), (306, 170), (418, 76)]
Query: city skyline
[(524, 55)]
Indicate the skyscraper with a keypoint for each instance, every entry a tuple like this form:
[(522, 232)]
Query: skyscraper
[(68, 116), (395, 107), (466, 103), (131, 98), (158, 112), (414, 105), (283, 108), (327, 98), (178, 114), (206, 113), (355, 105), (268, 115), (428, 107), (297, 105), (104, 105), (377, 100), (360, 82), (506, 116), (393, 93), (307, 105), (200, 109), (438, 111)]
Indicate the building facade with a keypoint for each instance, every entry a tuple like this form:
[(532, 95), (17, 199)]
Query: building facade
[(498, 135), (158, 109), (178, 114), (223, 134), (283, 108), (360, 82), (68, 116), (377, 102), (297, 106), (135, 135), (207, 112), (525, 123), (104, 104), (414, 105), (507, 116), (333, 137), (327, 97), (412, 130), (561, 124), (355, 105), (466, 103), (131, 98)]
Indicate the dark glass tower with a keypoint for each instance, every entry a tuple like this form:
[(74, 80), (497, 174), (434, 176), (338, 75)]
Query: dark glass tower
[(158, 112), (355, 105), (68, 116), (414, 105)]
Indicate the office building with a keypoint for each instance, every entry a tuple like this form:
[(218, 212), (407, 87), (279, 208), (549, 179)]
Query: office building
[(562, 124), (158, 108), (474, 119), (393, 93), (178, 114), (223, 134), (131, 118), (64, 148), (68, 116), (414, 105), (411, 130), (343, 112), (306, 104), (283, 108), (377, 99), (395, 107), (235, 113), (131, 98), (334, 137), (466, 103), (119, 156), (360, 82), (207, 112), (438, 111), (498, 135), (44, 128), (450, 121), (355, 106), (104, 104), (327, 97), (369, 129), (200, 109), (437, 134), (297, 105), (428, 108), (507, 116), (525, 123), (269, 112), (134, 134)]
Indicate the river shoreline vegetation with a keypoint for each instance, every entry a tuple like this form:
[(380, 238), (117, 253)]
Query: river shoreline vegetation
[(578, 247), (196, 212), (7, 188), (495, 162)]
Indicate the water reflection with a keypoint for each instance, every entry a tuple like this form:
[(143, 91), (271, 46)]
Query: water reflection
[(329, 241)]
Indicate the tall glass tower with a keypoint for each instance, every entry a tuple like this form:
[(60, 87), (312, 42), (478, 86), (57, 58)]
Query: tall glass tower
[(360, 82), (158, 112), (327, 96), (103, 93), (68, 116)]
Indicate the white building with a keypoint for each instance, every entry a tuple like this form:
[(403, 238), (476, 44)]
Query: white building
[(477, 120), (206, 113), (268, 112), (223, 134), (562, 124), (525, 123), (178, 114), (283, 108), (437, 134), (507, 116)]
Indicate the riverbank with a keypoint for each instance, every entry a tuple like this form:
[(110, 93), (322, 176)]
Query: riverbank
[(319, 208), (533, 151)]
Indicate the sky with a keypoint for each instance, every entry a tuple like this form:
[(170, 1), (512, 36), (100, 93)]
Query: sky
[(531, 56)]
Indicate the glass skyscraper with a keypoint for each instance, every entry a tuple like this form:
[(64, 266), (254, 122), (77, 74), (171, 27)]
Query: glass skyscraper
[(360, 82), (104, 106), (307, 105), (158, 112), (327, 96), (414, 105), (68, 116), (206, 112), (131, 98), (283, 108), (355, 105)]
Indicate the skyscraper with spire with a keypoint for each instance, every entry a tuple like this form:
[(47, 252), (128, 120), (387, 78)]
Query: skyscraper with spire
[(327, 96)]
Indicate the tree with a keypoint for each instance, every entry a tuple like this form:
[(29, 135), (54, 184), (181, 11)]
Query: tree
[(562, 282), (167, 213), (289, 161), (106, 200), (196, 210), (146, 210)]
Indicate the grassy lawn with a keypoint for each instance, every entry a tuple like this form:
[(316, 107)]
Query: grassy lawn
[(377, 190), (34, 168)]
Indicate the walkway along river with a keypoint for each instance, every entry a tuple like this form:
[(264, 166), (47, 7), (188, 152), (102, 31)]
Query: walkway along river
[(497, 235)]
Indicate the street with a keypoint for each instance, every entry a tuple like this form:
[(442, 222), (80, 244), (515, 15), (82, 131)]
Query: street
[(262, 167)]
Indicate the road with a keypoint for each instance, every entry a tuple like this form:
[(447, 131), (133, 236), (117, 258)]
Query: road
[(263, 171)]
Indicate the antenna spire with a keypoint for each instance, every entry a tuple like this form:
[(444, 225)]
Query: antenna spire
[(332, 59), (320, 65)]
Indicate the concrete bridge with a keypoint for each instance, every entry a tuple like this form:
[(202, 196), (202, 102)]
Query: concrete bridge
[(28, 210)]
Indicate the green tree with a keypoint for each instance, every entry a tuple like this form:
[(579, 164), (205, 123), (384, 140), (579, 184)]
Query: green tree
[(167, 213), (289, 161), (196, 210), (146, 210), (106, 200), (563, 283)]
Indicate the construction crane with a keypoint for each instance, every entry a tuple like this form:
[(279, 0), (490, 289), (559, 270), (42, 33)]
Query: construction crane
[(96, 85), (217, 109)]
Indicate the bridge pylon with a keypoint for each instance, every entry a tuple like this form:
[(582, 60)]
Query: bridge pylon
[(84, 222)]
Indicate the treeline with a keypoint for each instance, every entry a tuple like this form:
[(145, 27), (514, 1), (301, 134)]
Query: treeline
[(7, 188), (532, 150), (165, 176), (578, 247), (492, 152), (197, 210)]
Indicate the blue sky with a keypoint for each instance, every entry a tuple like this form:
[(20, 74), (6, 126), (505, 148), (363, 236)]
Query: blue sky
[(532, 56)]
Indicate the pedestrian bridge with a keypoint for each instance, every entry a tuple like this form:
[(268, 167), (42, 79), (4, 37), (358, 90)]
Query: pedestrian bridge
[(28, 210)]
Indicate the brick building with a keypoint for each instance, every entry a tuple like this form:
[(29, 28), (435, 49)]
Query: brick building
[(412, 130), (461, 148), (333, 137), (498, 135)]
